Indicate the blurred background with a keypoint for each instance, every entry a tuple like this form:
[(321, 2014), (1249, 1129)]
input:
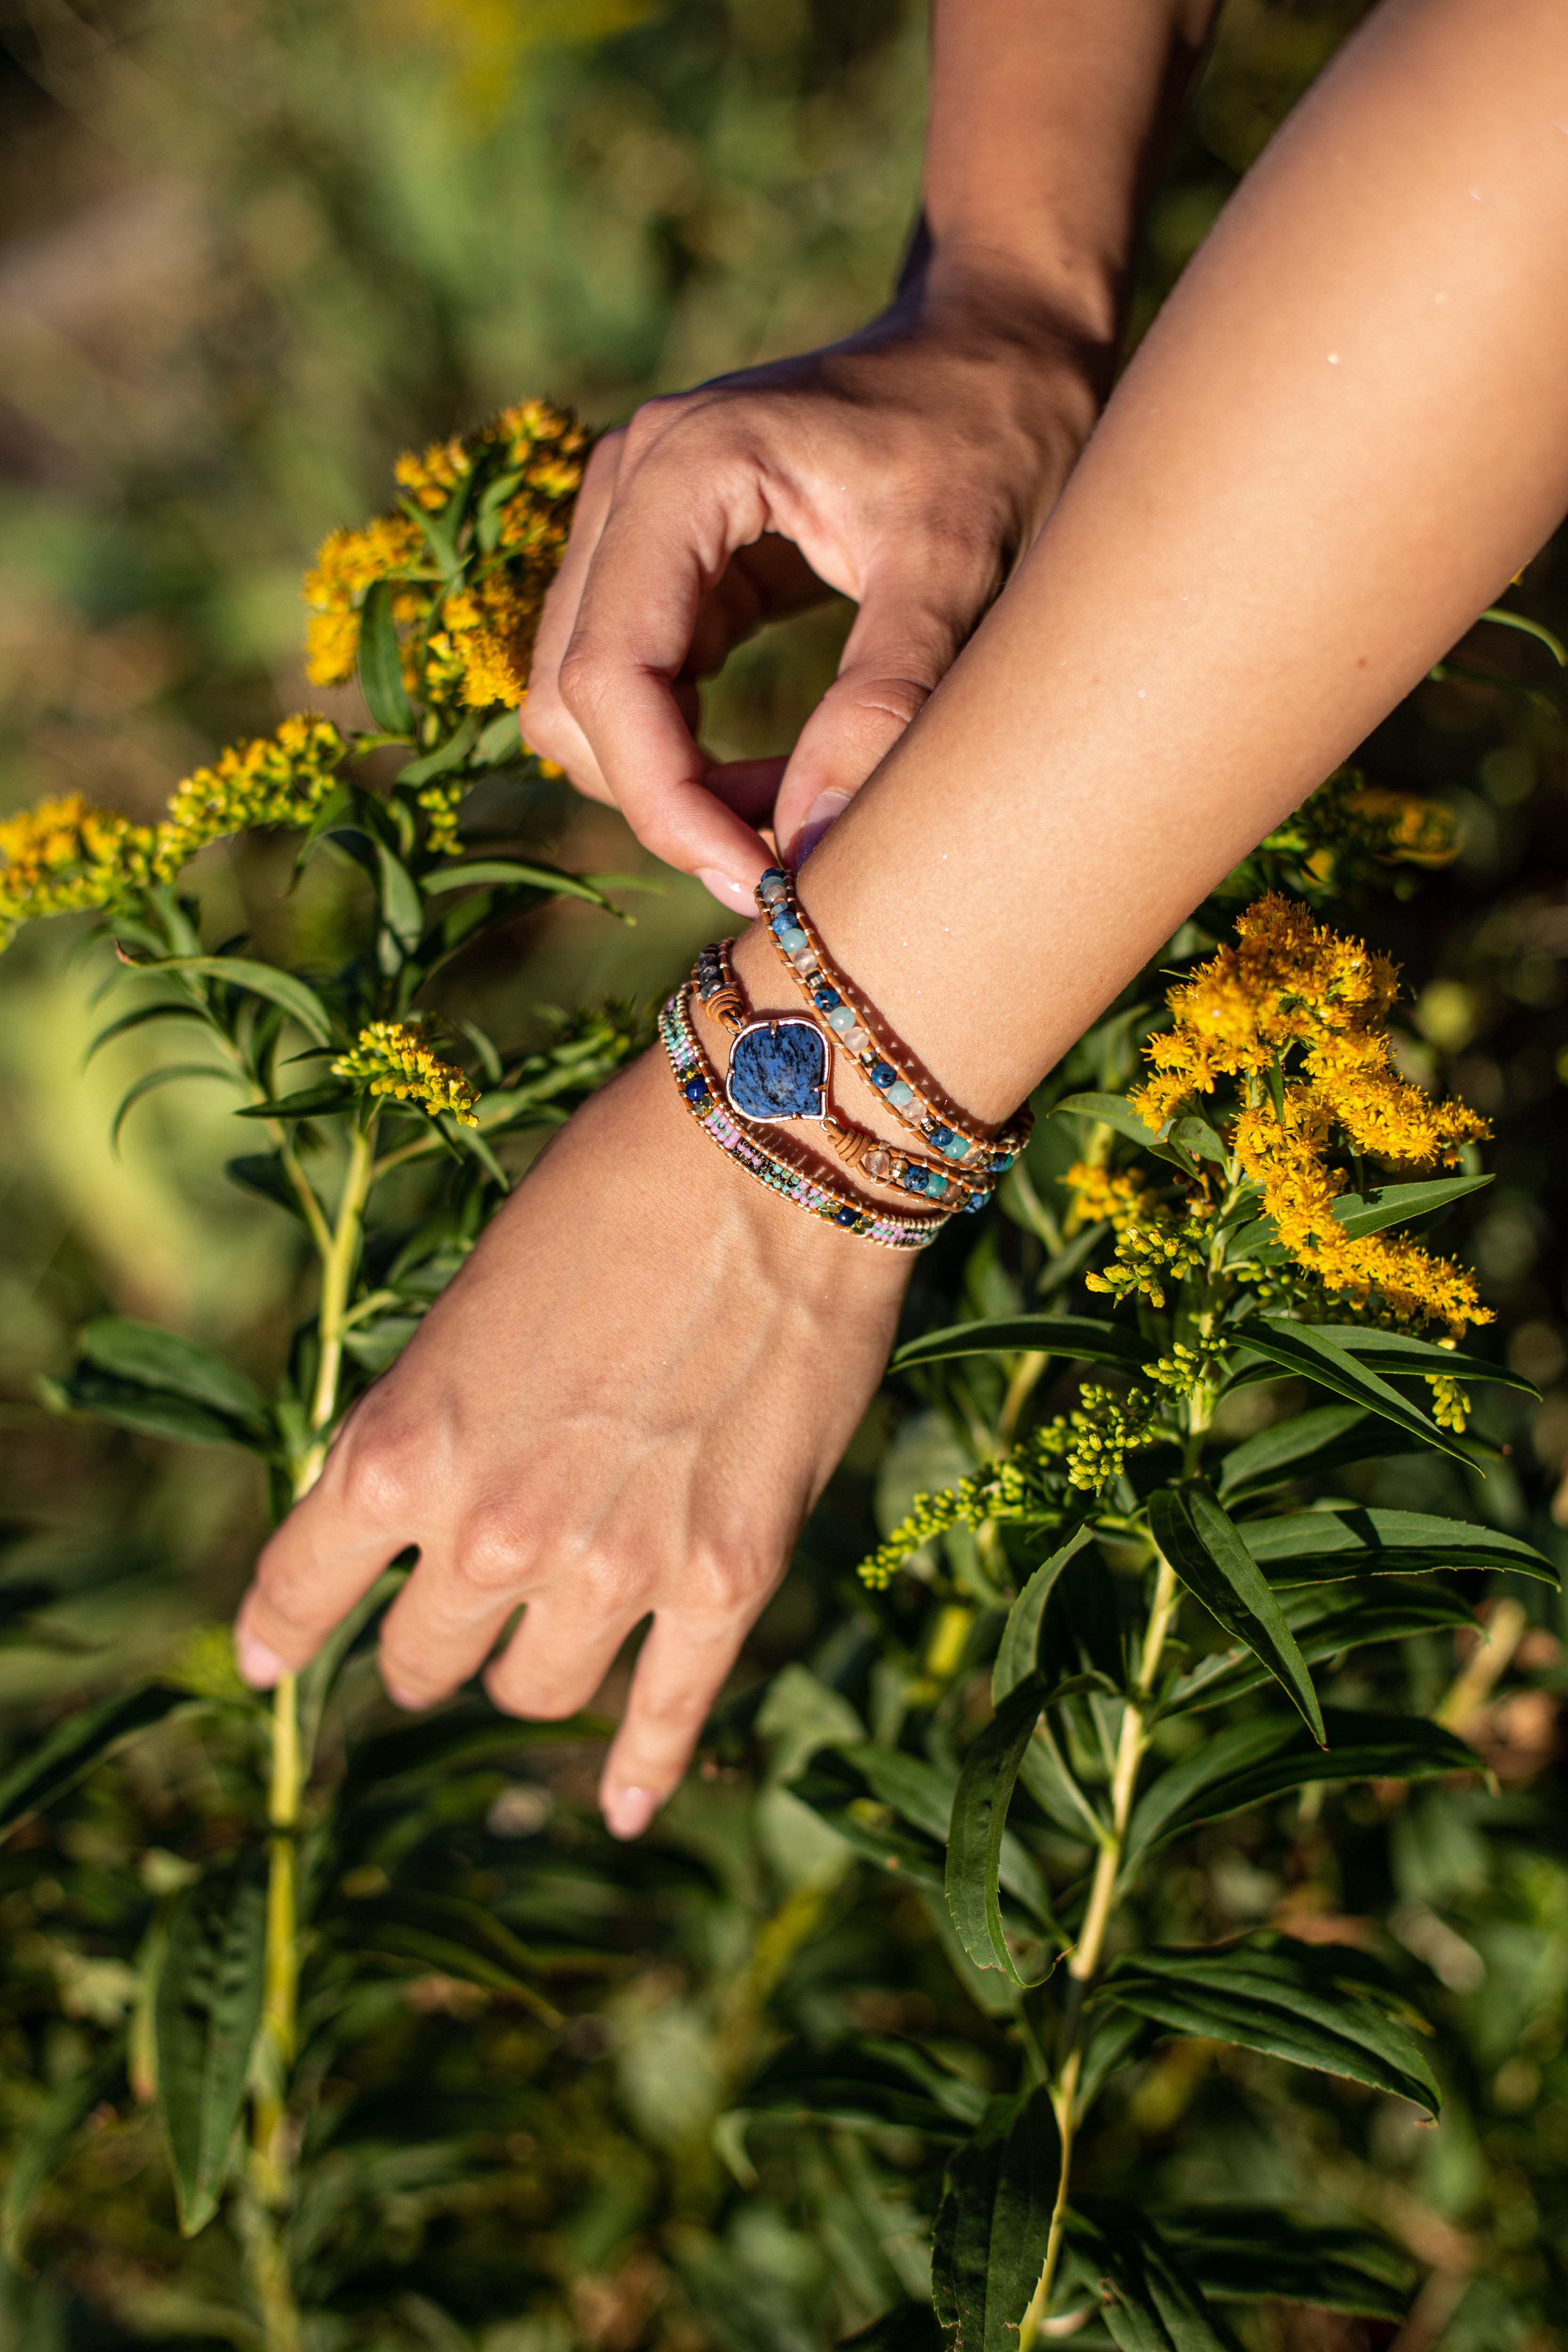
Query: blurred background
[(251, 248)]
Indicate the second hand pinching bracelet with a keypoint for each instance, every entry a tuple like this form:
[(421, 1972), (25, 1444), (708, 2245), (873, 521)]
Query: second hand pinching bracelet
[(859, 1034)]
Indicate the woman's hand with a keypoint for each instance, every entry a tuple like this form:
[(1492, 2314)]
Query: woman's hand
[(626, 1402), (910, 467)]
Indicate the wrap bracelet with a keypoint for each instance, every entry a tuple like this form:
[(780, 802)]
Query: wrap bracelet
[(798, 1091), (703, 1094), (859, 1034)]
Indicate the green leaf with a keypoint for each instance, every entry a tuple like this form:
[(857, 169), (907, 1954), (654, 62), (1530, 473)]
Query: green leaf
[(1151, 2301), (285, 988), (308, 1102), (445, 756), (1298, 2002), (75, 1745), (263, 1172), (1305, 1349), (38, 2154), (172, 1073), (1109, 1110), (1503, 619), (157, 1359), (154, 1412), (838, 1791), (1253, 1763), (1257, 2253), (318, 1680), (1079, 1337), (173, 1010), (381, 662), (465, 1734), (924, 1796), (1324, 1439), (452, 1953), (402, 908), (209, 2009), (992, 2226), (860, 2083), (1305, 1547), (505, 873), (979, 1822), (1397, 1204), (1017, 1658), (1209, 1554), (1327, 1619), (1399, 1357)]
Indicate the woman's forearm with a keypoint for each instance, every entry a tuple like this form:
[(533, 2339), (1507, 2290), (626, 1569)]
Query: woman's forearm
[(1044, 124), (1347, 431)]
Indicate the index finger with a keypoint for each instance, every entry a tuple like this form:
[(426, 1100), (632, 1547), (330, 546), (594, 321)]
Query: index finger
[(667, 539), (326, 1556)]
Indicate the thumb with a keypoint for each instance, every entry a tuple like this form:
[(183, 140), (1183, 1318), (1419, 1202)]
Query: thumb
[(902, 642)]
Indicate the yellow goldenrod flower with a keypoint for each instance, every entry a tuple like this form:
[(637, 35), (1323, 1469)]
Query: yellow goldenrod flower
[(490, 630), (65, 855), (1150, 1251), (1098, 1193), (1292, 987), (431, 478), (391, 1058), (279, 779), (349, 562)]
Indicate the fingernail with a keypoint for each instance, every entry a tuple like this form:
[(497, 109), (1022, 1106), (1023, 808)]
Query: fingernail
[(627, 1811), (258, 1666), (736, 896), (825, 812)]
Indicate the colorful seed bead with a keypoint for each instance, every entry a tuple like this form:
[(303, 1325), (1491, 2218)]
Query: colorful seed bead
[(984, 1158), (767, 1167)]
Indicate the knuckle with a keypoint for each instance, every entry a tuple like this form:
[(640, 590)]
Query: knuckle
[(493, 1552), (582, 678), (379, 1475)]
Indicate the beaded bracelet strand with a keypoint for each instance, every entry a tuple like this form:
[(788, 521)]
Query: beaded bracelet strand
[(724, 1002), (700, 1090), (855, 1028)]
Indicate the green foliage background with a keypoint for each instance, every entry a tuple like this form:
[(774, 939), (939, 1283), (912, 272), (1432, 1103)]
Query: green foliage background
[(251, 251)]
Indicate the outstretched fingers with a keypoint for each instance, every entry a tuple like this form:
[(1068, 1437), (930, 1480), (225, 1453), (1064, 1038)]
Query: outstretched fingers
[(324, 1558)]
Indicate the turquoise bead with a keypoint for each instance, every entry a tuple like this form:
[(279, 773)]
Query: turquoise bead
[(841, 1019), (957, 1147), (794, 939), (901, 1093)]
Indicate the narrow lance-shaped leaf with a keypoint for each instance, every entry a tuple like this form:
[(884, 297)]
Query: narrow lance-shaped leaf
[(1018, 1656), (1286, 2003), (979, 1823), (1398, 1356), (1253, 1763), (1256, 2253), (1109, 1110), (500, 873), (285, 988), (402, 909), (1399, 1204), (1209, 1556), (381, 662), (163, 1359), (994, 2222), (862, 2082), (1307, 1547), (1300, 1348), (1080, 1338), (1150, 2300), (209, 2009), (75, 1745), (172, 1073), (1327, 1620), (1324, 1438)]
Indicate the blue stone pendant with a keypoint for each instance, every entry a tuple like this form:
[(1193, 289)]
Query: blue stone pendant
[(778, 1069)]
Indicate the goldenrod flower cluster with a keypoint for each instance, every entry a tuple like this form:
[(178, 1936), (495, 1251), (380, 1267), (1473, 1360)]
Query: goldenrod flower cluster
[(1117, 1196), (1293, 987), (466, 646), (279, 779), (1152, 1251), (1185, 1369), (1450, 1402), (1349, 826), (1098, 1435), (391, 1058), (65, 855)]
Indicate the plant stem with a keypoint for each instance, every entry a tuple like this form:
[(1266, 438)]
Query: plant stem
[(1084, 1964), (270, 2154)]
